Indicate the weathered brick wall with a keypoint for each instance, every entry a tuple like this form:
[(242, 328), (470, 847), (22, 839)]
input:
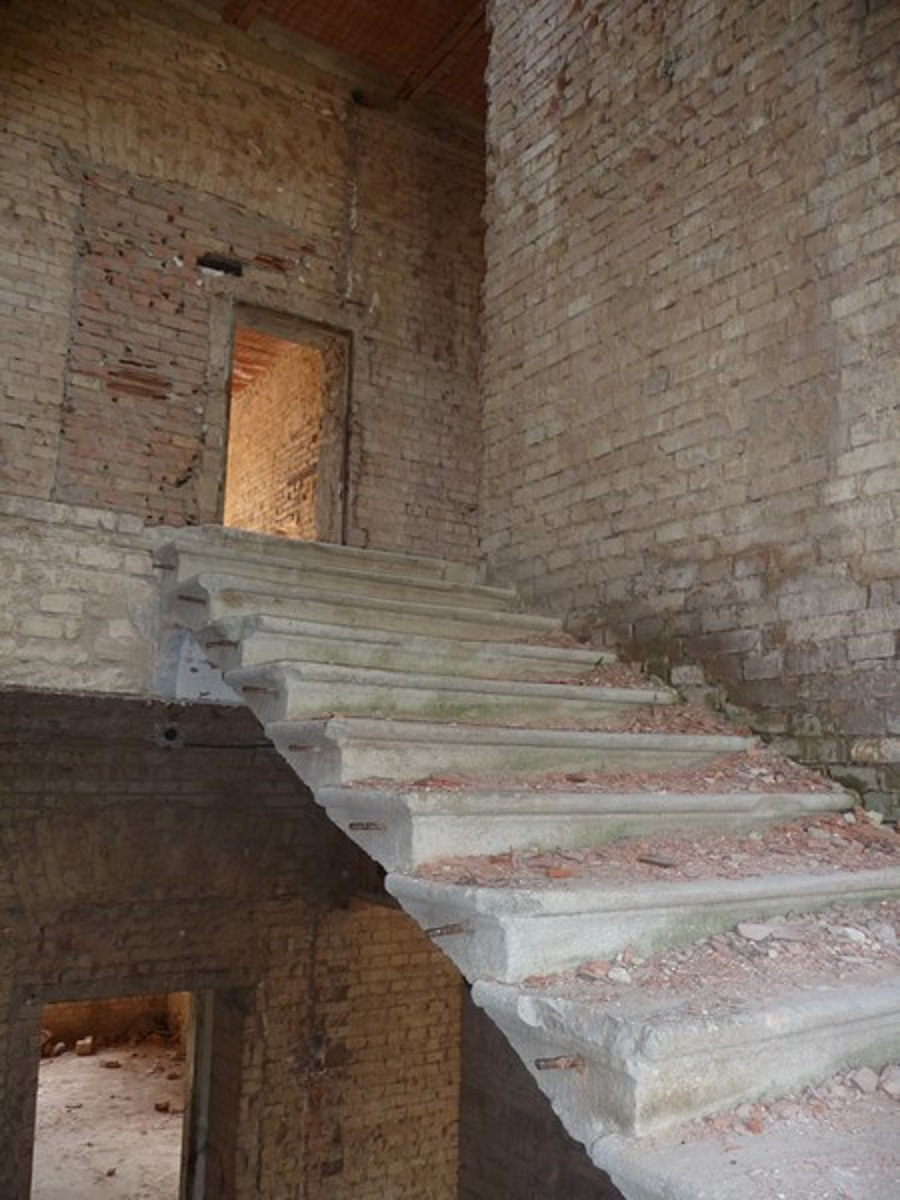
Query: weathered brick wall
[(138, 137), (390, 1006), (273, 447), (107, 1021), (691, 312), (132, 867), (79, 599)]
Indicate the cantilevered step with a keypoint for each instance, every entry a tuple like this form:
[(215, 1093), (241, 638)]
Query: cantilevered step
[(216, 549), (406, 827), (293, 691), (284, 575), (344, 750), (647, 1062), (843, 1151), (257, 640), (203, 599), (510, 932)]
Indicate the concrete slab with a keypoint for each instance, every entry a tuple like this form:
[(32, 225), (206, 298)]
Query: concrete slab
[(659, 1061), (258, 640), (203, 599), (361, 748), (231, 545), (339, 572), (809, 1158), (508, 934), (404, 828), (290, 691)]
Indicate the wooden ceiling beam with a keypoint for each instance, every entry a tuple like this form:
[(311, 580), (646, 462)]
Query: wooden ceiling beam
[(436, 65)]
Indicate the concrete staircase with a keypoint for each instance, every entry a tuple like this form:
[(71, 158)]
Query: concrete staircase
[(489, 766)]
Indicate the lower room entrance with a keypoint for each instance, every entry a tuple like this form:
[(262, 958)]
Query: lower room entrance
[(112, 1093)]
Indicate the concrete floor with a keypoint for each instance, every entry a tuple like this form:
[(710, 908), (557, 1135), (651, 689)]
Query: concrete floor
[(98, 1131)]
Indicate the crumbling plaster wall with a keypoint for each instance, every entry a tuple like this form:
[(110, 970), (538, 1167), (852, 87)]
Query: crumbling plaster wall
[(691, 377), (137, 137), (136, 863)]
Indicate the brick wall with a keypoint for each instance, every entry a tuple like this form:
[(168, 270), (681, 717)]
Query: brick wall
[(691, 313), (108, 1020), (390, 1032), (130, 867), (138, 138), (79, 598), (274, 434)]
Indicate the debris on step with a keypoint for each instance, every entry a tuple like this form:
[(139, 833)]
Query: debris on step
[(561, 637), (843, 944), (829, 1099), (643, 718), (610, 674), (810, 846), (832, 1142), (679, 718), (757, 769)]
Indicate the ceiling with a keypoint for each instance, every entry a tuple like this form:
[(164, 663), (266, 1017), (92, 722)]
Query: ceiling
[(428, 48)]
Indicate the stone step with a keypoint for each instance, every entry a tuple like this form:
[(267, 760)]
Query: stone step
[(816, 1154), (645, 1063), (260, 572), (406, 827), (203, 599), (255, 641), (291, 691), (343, 750), (509, 933), (225, 547)]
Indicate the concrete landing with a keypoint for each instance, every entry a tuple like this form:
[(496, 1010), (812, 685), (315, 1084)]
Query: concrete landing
[(255, 640)]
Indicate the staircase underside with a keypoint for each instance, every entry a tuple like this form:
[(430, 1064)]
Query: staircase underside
[(692, 944)]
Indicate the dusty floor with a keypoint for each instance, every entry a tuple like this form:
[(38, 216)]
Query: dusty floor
[(99, 1133)]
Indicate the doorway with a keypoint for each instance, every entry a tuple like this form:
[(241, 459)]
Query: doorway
[(286, 459), (112, 1091)]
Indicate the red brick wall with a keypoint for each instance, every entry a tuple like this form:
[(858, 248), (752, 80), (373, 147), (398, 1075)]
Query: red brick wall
[(691, 314), (108, 1020), (139, 137)]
